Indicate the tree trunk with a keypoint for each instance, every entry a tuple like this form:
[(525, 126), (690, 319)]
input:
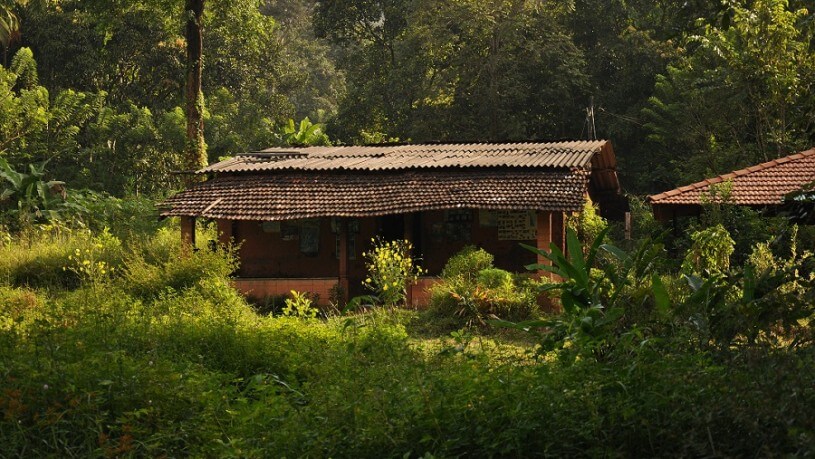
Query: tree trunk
[(196, 151)]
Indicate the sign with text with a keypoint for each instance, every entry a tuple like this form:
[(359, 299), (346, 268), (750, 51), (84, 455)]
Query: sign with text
[(516, 225)]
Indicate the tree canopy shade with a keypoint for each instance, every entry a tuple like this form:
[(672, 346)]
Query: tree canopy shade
[(741, 94), (685, 89), (431, 69)]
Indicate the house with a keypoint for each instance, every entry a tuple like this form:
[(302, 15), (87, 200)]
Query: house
[(765, 185), (304, 216)]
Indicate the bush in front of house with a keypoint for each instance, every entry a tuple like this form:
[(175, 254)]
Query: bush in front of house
[(587, 224), (710, 251), (472, 290), (157, 264), (391, 268)]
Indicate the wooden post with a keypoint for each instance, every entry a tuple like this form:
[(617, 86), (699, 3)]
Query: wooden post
[(408, 227), (544, 239), (559, 230), (408, 222), (188, 234), (343, 255)]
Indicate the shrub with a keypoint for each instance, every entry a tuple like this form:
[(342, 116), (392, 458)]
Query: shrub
[(473, 290), (768, 302), (467, 263), (390, 270), (158, 265), (337, 301), (710, 251), (594, 294), (494, 278), (15, 306), (588, 224), (762, 258), (268, 305), (95, 211), (299, 305)]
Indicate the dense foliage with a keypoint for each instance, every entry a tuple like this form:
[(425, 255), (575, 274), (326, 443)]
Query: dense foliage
[(472, 290), (113, 345), (683, 89)]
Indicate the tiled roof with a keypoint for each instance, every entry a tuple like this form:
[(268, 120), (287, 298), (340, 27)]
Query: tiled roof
[(763, 184), (427, 156), (310, 194)]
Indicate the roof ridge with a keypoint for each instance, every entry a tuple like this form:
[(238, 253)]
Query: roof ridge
[(733, 174), (441, 143), (520, 154)]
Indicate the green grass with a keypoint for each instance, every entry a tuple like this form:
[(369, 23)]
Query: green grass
[(162, 358)]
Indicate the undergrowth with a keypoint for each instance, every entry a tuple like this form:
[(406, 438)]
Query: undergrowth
[(163, 358)]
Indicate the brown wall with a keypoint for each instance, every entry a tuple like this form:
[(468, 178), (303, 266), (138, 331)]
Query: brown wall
[(265, 254), (258, 289), (435, 250), (269, 255)]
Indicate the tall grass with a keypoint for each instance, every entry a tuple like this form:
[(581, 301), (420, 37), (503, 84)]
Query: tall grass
[(163, 358)]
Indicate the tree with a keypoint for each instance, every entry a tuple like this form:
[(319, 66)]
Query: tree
[(193, 95), (439, 70), (133, 51), (741, 93), (313, 83), (33, 126)]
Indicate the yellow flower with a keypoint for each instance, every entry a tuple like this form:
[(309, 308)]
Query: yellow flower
[(368, 280), (385, 288)]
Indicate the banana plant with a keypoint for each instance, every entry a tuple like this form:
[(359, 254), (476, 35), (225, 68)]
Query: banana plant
[(29, 198), (306, 134), (9, 22), (592, 298)]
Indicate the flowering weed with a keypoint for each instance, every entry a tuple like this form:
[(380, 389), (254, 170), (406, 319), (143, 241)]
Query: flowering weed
[(391, 269)]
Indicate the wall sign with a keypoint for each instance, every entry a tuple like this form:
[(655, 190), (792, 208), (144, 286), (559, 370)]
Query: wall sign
[(310, 237), (270, 227), (289, 231), (516, 225), (458, 225), (487, 218)]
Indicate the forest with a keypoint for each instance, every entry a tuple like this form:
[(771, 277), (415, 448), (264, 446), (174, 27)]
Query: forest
[(117, 340)]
